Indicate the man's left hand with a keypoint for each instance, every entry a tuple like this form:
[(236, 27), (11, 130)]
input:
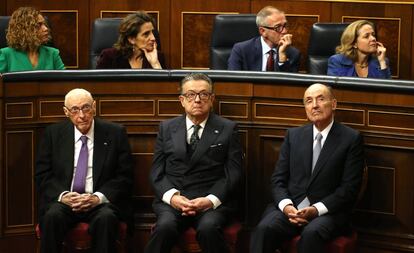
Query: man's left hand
[(308, 213), (202, 204)]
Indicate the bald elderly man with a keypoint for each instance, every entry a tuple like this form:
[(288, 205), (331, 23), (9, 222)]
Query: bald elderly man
[(316, 180), (83, 174)]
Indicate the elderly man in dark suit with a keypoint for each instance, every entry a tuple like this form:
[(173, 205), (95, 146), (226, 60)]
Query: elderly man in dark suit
[(83, 174), (196, 171), (316, 179), (271, 51)]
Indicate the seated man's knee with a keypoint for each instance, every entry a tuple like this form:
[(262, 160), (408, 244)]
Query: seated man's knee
[(165, 226)]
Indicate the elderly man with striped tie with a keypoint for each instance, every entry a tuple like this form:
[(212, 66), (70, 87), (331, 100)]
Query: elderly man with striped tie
[(83, 174), (316, 180)]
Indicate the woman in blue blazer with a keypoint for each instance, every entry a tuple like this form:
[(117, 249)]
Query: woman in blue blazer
[(360, 54)]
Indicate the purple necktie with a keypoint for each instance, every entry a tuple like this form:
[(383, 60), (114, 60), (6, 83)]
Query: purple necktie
[(81, 167)]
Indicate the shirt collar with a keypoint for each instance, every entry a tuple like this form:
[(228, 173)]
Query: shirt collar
[(265, 47), (324, 132), (90, 133), (189, 123)]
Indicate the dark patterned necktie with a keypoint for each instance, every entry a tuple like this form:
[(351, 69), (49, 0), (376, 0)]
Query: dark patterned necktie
[(194, 139), (81, 167), (270, 65)]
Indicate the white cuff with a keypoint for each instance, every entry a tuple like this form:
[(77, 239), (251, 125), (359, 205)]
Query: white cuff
[(61, 195), (168, 195), (102, 198), (283, 203), (216, 202), (321, 208)]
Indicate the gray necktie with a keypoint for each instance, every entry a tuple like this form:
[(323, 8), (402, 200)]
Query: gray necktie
[(316, 149), (81, 167)]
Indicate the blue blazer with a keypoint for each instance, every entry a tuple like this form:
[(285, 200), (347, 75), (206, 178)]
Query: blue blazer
[(247, 55), (340, 65)]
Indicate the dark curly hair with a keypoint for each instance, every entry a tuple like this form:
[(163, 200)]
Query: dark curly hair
[(23, 29), (130, 27)]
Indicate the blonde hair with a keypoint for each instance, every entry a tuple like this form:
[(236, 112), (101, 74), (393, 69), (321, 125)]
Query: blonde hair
[(23, 29), (349, 38)]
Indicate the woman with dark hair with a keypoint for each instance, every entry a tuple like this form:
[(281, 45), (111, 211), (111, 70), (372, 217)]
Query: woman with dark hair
[(136, 47), (26, 37), (360, 54)]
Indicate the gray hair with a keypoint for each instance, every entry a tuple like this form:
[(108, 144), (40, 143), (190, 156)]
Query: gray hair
[(197, 77), (264, 13)]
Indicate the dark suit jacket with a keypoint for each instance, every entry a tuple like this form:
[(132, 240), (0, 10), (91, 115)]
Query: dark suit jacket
[(111, 58), (214, 168), (112, 164), (337, 175), (247, 55), (340, 65)]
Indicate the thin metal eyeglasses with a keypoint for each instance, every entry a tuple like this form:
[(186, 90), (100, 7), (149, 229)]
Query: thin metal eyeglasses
[(191, 96), (75, 110), (277, 28)]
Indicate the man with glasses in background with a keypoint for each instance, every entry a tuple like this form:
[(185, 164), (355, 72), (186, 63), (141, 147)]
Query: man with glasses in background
[(271, 51), (196, 171), (83, 174)]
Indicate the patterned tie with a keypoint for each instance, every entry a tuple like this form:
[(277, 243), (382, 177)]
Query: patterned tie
[(194, 138), (81, 167), (316, 150), (270, 65)]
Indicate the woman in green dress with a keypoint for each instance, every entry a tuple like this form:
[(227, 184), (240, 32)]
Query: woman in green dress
[(26, 37)]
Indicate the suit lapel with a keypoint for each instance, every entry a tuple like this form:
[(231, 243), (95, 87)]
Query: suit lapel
[(68, 151), (328, 148), (258, 55), (100, 147), (178, 136), (307, 149), (210, 133)]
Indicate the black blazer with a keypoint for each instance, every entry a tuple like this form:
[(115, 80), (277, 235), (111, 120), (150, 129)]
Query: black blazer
[(247, 55), (337, 175), (215, 167), (112, 164), (111, 58)]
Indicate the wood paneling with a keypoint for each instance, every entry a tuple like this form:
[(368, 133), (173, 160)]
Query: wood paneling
[(190, 41), (384, 218), (185, 26)]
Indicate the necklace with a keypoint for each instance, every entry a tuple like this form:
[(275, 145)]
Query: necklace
[(362, 66)]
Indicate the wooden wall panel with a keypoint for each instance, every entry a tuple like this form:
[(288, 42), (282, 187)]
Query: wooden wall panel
[(191, 40), (19, 184)]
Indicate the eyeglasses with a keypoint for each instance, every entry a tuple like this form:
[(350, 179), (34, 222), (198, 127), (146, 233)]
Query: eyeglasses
[(278, 28), (191, 96), (75, 110)]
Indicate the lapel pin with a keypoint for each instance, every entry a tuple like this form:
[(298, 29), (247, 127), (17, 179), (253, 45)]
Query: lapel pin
[(105, 143), (216, 131)]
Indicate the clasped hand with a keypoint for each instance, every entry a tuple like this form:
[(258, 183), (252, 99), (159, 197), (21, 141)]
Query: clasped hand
[(300, 217), (190, 207), (80, 202)]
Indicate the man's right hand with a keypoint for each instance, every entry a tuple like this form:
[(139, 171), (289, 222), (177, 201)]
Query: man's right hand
[(292, 213), (183, 204), (70, 198)]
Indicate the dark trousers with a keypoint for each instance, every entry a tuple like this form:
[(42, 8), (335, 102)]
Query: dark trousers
[(170, 224), (59, 219), (275, 228)]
